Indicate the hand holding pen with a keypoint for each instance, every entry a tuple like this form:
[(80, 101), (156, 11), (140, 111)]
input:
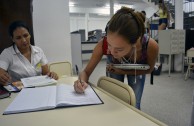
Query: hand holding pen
[(5, 78), (79, 85)]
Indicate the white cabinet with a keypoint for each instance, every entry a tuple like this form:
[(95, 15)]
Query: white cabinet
[(171, 42)]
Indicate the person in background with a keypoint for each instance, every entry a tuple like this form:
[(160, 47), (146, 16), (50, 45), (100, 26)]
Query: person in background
[(22, 59), (163, 14), (125, 43), (146, 23)]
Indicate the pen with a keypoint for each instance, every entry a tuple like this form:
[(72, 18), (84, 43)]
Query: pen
[(77, 70), (78, 74)]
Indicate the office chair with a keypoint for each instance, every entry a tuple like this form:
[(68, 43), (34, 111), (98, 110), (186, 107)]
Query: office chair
[(61, 68), (190, 55), (118, 89)]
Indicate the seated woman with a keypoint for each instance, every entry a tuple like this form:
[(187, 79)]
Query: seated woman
[(22, 59)]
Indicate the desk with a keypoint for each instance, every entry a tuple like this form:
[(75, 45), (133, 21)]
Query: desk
[(113, 112)]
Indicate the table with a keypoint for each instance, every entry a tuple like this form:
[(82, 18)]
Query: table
[(113, 112)]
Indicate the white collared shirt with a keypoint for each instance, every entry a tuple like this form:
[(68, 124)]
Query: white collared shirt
[(18, 66)]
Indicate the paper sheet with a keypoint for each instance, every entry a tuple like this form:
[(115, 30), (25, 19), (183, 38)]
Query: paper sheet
[(38, 81)]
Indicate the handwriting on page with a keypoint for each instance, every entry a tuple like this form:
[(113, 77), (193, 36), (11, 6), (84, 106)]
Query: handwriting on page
[(66, 93)]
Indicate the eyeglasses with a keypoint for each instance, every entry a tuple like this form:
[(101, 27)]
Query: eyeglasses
[(4, 93)]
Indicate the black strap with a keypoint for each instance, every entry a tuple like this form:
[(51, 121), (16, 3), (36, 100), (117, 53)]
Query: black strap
[(152, 78)]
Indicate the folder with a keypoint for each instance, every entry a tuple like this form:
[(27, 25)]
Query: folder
[(50, 97)]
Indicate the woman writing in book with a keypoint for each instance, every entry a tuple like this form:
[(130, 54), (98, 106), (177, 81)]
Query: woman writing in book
[(125, 43), (22, 59)]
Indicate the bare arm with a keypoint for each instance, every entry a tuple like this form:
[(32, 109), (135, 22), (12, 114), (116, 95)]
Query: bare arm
[(4, 77), (94, 60), (85, 74), (152, 54)]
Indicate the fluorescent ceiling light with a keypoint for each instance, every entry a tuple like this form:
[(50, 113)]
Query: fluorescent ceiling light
[(126, 5), (118, 6), (71, 4)]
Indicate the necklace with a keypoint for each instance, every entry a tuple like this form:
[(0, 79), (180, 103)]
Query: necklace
[(134, 51), (135, 55), (128, 61), (124, 60)]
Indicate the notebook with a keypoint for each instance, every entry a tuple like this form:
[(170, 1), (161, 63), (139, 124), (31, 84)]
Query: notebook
[(50, 97), (132, 66), (37, 81)]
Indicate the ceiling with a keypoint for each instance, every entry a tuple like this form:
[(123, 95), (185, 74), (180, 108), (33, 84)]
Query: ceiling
[(102, 3)]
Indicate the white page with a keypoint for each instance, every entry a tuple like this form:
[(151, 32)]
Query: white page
[(67, 96), (33, 99), (38, 81)]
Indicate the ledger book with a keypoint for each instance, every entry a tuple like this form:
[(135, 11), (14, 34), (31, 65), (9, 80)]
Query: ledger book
[(50, 97)]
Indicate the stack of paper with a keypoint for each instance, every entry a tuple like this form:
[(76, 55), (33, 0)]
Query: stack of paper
[(37, 81)]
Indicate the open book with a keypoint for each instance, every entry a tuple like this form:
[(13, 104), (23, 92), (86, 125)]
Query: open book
[(37, 81), (50, 97)]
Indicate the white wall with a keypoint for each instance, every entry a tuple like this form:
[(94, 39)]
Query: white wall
[(51, 25), (97, 23), (77, 23)]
